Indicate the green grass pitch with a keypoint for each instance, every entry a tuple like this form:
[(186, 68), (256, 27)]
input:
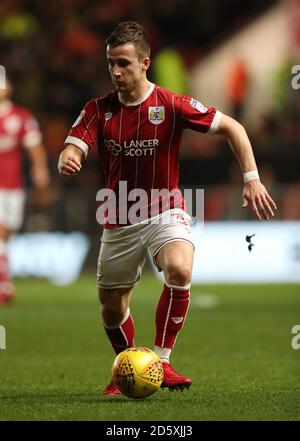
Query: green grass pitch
[(236, 346)]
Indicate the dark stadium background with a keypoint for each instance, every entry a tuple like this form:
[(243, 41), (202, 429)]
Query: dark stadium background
[(54, 53)]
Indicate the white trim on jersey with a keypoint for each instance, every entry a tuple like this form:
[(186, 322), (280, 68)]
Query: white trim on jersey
[(78, 143), (215, 123), (31, 139), (140, 100)]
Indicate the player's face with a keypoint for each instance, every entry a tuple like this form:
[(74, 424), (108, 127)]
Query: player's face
[(127, 70)]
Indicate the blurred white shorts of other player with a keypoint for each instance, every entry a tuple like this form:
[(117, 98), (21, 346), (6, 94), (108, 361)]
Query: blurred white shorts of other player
[(123, 250), (12, 208)]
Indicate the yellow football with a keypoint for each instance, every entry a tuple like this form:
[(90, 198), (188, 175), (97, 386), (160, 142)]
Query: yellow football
[(137, 372)]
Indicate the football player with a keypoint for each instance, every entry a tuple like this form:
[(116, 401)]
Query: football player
[(19, 131), (137, 130)]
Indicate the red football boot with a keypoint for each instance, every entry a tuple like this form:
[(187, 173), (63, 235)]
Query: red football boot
[(174, 380), (111, 390)]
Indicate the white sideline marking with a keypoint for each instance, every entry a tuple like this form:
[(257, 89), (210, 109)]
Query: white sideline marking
[(2, 337), (204, 300)]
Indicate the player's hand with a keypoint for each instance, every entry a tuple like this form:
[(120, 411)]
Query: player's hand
[(68, 166), (261, 203)]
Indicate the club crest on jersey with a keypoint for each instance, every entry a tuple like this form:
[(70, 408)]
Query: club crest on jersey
[(156, 115), (107, 116)]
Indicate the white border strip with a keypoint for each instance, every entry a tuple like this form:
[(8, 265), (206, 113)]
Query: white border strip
[(180, 288), (78, 143), (215, 123)]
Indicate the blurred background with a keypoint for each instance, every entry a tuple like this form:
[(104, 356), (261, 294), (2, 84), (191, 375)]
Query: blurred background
[(239, 342), (236, 56)]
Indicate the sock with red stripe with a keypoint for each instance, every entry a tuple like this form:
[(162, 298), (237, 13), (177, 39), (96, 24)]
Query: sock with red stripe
[(171, 312), (121, 336)]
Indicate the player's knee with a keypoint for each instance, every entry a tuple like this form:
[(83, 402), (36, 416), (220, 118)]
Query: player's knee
[(179, 275), (112, 315), (114, 306)]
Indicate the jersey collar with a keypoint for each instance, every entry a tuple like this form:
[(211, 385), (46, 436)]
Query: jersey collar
[(140, 100)]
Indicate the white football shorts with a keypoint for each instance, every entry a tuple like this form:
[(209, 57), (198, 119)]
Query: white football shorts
[(123, 250), (12, 204)]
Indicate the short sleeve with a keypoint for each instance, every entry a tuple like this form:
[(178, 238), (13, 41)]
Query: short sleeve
[(194, 115), (84, 131), (31, 135)]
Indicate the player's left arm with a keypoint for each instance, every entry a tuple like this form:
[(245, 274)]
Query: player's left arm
[(35, 149), (254, 192), (39, 165)]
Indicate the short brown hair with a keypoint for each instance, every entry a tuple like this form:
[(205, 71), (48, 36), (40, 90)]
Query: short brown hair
[(130, 32)]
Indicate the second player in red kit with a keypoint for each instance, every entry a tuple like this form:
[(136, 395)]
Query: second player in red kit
[(19, 132)]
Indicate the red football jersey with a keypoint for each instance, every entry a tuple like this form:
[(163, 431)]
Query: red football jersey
[(139, 142), (18, 128)]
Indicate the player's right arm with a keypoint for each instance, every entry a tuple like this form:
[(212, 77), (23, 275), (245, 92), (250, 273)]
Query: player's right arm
[(70, 160), (82, 136)]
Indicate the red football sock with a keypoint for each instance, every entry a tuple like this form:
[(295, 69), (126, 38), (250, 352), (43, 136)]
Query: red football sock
[(6, 287), (121, 337), (4, 269), (170, 316)]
